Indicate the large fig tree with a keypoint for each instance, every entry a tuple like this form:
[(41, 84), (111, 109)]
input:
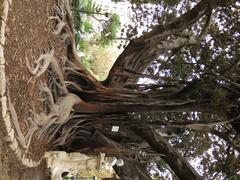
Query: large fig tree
[(181, 76)]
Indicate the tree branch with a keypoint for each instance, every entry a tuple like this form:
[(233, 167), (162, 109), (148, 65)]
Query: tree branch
[(143, 50), (177, 163)]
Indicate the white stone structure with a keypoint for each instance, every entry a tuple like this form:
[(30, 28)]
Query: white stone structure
[(59, 162)]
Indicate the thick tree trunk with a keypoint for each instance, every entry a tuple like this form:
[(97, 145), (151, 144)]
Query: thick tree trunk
[(117, 107), (177, 163)]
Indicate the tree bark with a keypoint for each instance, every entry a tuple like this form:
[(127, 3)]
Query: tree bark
[(177, 163), (142, 51), (117, 107)]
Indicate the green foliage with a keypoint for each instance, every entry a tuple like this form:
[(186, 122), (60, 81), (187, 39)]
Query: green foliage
[(109, 33), (98, 60), (83, 8), (88, 27), (76, 15), (77, 38), (83, 45), (92, 6), (110, 27), (87, 62)]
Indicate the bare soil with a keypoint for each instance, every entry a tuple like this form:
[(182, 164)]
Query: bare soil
[(27, 35)]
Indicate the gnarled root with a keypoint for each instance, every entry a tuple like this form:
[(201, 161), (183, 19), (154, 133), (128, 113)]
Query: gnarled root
[(41, 64), (14, 118), (29, 134), (58, 113), (25, 141), (58, 76), (59, 26), (62, 109), (44, 62), (60, 18), (60, 9), (47, 96)]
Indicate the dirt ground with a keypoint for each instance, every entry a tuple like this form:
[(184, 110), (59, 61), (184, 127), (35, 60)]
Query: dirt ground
[(27, 35), (9, 171)]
